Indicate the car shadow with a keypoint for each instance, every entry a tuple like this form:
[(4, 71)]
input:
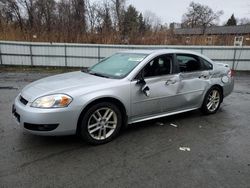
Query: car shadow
[(163, 120), (76, 141)]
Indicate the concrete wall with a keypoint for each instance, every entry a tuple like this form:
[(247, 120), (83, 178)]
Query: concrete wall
[(85, 55)]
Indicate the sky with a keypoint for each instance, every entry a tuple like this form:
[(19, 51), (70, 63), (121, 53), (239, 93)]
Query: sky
[(172, 11)]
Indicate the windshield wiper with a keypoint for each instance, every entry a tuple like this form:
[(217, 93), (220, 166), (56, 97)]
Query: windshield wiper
[(98, 74)]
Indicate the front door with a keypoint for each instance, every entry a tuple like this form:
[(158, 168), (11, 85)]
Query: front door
[(162, 85)]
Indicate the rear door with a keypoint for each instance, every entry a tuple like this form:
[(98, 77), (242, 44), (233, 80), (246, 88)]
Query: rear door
[(194, 80)]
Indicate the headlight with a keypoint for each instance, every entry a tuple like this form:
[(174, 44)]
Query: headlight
[(52, 101)]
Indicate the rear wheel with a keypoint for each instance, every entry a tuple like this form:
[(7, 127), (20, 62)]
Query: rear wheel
[(212, 101), (101, 123)]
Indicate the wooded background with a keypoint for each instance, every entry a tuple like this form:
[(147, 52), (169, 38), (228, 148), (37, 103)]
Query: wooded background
[(102, 22)]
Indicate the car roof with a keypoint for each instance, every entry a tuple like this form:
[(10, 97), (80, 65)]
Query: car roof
[(160, 51), (156, 52)]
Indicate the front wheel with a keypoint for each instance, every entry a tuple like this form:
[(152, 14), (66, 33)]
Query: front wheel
[(101, 123), (212, 101)]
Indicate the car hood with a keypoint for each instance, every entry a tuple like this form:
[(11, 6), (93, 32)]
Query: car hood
[(62, 83)]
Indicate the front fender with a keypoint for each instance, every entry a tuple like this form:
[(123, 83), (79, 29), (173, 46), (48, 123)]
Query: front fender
[(120, 93)]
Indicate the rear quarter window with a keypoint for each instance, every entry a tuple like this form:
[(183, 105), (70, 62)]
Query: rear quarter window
[(206, 65)]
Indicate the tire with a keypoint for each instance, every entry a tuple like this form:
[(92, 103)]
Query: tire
[(212, 101), (101, 123)]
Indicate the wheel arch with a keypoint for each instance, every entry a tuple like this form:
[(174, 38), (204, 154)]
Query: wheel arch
[(112, 100)]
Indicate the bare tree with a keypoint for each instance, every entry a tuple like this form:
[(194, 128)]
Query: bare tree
[(92, 15), (29, 8), (14, 12), (152, 21), (243, 21), (64, 19), (119, 11), (199, 15), (91, 21), (79, 18), (46, 13)]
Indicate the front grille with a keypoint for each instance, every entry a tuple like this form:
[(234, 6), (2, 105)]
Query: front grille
[(23, 100)]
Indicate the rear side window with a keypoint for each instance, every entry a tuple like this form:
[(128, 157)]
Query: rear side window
[(189, 63)]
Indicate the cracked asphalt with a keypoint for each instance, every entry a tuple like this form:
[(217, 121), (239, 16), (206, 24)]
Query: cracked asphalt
[(144, 155)]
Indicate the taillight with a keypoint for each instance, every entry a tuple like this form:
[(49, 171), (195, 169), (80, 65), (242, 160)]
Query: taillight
[(230, 73)]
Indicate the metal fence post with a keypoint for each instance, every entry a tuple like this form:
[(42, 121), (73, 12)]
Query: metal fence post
[(65, 55), (1, 54), (234, 58), (99, 58), (31, 55)]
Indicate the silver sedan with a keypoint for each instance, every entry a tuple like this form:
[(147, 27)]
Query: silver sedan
[(126, 88)]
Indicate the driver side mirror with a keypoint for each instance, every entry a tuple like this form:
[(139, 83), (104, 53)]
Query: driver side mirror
[(144, 88), (140, 79)]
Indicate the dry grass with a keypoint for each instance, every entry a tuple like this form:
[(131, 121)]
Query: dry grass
[(37, 69)]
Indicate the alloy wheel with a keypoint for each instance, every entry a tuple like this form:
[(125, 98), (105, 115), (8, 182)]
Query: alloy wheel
[(213, 100), (102, 123)]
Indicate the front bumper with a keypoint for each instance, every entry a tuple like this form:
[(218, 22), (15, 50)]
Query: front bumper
[(48, 122)]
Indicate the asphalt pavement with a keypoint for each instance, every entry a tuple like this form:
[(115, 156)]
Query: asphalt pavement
[(202, 151)]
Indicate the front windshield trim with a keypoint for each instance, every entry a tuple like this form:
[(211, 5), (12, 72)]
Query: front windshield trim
[(102, 74)]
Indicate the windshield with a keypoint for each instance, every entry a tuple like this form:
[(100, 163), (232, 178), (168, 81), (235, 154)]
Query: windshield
[(117, 66)]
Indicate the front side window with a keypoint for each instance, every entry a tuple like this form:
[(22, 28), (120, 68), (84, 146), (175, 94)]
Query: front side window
[(117, 66), (188, 63), (159, 66)]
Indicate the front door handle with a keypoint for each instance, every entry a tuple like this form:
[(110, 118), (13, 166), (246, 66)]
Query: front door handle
[(169, 82), (202, 76)]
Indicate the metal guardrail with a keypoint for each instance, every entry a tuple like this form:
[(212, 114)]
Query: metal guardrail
[(84, 55)]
